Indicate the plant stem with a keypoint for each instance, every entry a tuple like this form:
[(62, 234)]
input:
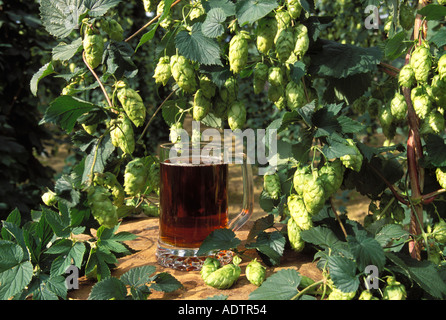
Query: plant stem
[(149, 23), (303, 291), (153, 116), (100, 83), (338, 218)]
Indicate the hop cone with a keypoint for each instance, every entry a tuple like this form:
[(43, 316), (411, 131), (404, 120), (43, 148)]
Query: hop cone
[(331, 175), (302, 40), (406, 77), (421, 62), (294, 8), (238, 52), (229, 91), (260, 77), (183, 73), (352, 161), (266, 32), (162, 72), (313, 196), (122, 135), (135, 176), (167, 21), (132, 103), (209, 266), (300, 177), (236, 115), (275, 93), (284, 44), (93, 48), (441, 176), (275, 76), (299, 212), (102, 208), (438, 86), (442, 66), (271, 184), (283, 19), (439, 232), (207, 86), (223, 278), (398, 107), (421, 101), (201, 106), (296, 242), (394, 290), (295, 95), (433, 123), (255, 272)]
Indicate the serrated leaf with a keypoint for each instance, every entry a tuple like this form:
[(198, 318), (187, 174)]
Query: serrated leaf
[(396, 46), (98, 8), (137, 276), (107, 289), (282, 285), (64, 51), (15, 271), (322, 237), (392, 236), (212, 26), (67, 192), (249, 11), (435, 150), (226, 5), (196, 47), (260, 225), (73, 256), (97, 159), (65, 110), (271, 244), (61, 17), (424, 273), (343, 273), (433, 12), (44, 71), (119, 60), (46, 287), (219, 239), (343, 60), (439, 38), (164, 282), (337, 147), (366, 250)]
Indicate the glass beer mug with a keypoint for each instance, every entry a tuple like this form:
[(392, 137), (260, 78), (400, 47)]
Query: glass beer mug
[(194, 200)]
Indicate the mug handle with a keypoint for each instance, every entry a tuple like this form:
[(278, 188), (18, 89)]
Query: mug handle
[(248, 197)]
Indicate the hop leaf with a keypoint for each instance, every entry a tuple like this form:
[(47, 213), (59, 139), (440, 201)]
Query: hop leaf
[(407, 17)]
